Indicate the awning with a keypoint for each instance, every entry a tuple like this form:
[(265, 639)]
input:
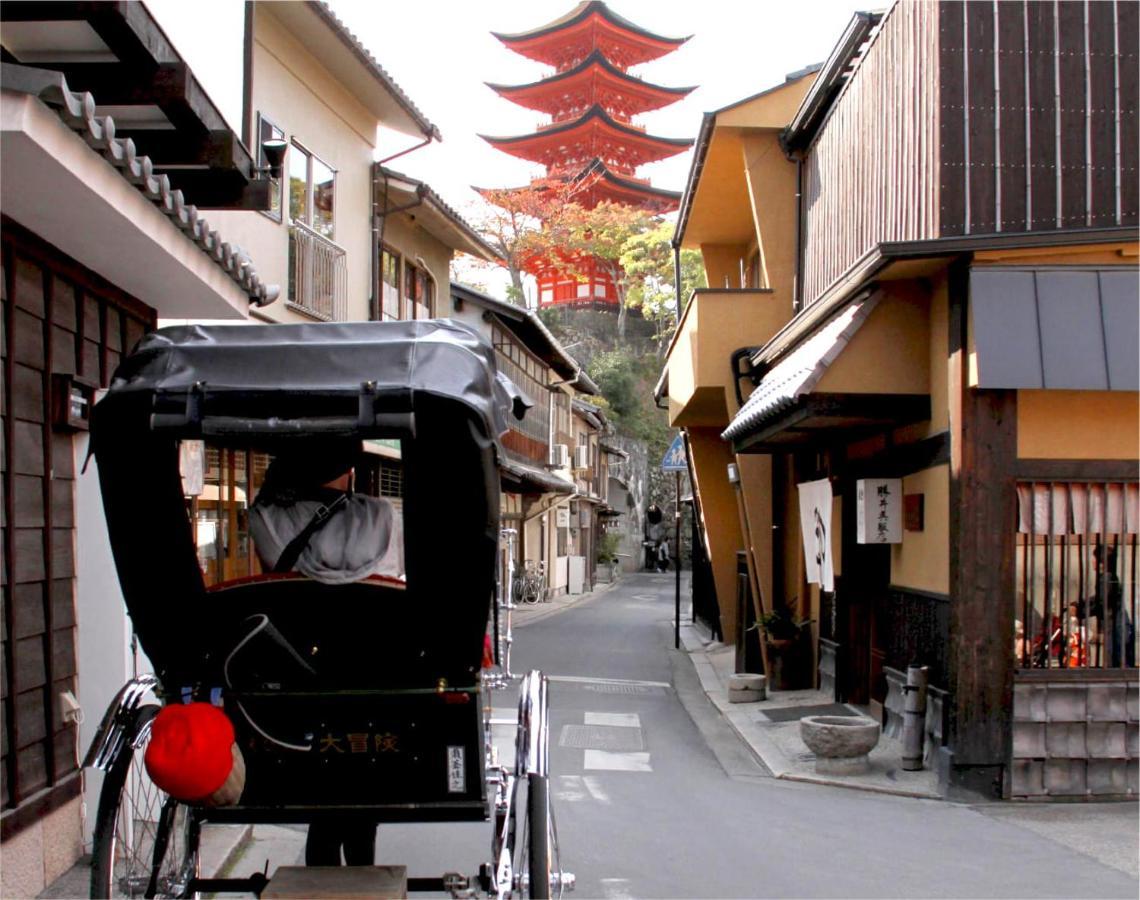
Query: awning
[(783, 410), (520, 478), (1072, 329)]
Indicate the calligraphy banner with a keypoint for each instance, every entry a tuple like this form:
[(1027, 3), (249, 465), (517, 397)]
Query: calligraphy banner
[(815, 526)]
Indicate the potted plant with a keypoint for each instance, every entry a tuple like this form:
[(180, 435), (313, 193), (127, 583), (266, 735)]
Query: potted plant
[(607, 556), (783, 635)]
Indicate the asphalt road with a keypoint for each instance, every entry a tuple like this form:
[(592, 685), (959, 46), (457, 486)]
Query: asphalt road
[(656, 797)]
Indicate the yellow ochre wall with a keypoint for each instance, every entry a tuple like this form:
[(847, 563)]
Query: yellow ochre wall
[(720, 520), (890, 353), (771, 178), (1078, 424), (922, 560), (722, 264), (756, 486)]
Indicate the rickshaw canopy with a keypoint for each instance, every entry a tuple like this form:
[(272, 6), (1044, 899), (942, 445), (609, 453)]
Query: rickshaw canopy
[(432, 384)]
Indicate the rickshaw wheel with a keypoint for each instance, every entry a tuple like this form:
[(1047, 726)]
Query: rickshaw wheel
[(538, 836), (133, 819)]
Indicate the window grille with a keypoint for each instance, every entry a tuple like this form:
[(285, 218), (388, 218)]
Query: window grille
[(391, 480), (1076, 571)]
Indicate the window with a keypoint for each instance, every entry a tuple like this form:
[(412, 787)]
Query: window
[(419, 293), (267, 131), (389, 285), (312, 191), (529, 374), (219, 492), (1075, 596)]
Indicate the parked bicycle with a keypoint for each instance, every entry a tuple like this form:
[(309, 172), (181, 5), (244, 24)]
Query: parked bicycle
[(530, 583)]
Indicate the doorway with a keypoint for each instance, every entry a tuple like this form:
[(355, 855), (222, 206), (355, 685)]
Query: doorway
[(862, 589)]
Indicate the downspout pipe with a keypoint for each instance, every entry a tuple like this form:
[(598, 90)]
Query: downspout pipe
[(379, 220), (798, 279), (431, 137)]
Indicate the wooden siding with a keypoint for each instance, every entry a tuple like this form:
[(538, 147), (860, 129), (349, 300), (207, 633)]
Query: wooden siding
[(976, 118), (871, 173), (57, 317), (1038, 115)]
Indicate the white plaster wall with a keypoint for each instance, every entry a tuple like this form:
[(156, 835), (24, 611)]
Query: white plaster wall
[(103, 626), (301, 97)]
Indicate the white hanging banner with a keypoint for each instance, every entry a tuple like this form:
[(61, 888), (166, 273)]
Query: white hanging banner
[(815, 526)]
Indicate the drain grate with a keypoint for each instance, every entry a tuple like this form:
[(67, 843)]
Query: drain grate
[(613, 688), (617, 738)]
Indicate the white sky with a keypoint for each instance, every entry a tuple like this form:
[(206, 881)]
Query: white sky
[(440, 53)]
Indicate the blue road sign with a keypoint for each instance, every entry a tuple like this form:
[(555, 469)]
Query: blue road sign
[(674, 460)]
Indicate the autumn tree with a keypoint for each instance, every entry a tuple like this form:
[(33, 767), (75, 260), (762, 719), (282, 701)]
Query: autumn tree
[(647, 260), (517, 221)]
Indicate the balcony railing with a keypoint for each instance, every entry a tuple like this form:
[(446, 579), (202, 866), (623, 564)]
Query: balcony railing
[(318, 274)]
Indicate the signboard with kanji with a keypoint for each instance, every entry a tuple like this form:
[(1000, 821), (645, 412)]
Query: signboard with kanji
[(878, 510)]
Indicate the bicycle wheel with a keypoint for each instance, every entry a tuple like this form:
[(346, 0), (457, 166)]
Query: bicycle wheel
[(537, 833), (141, 834)]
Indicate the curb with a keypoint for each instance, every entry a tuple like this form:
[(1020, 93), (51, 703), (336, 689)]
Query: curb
[(753, 735), (536, 612)]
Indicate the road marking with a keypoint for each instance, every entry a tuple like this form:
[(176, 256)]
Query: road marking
[(578, 679), (596, 790), (576, 788), (616, 889), (571, 790), (609, 761), (626, 720)]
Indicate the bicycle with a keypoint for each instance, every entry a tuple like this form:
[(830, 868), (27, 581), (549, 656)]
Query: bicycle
[(530, 583)]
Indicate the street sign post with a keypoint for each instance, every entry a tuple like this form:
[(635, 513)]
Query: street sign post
[(676, 460)]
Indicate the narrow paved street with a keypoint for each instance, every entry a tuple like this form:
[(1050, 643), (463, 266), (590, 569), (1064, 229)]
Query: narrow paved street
[(656, 797)]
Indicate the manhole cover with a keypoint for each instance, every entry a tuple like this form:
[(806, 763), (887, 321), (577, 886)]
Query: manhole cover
[(617, 738)]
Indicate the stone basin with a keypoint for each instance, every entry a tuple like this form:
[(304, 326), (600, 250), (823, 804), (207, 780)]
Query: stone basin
[(840, 743)]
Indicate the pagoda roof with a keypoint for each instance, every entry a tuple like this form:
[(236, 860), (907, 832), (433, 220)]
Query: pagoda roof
[(617, 188), (595, 134), (589, 26), (593, 79)]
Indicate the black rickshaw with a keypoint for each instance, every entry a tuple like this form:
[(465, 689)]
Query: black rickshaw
[(398, 663)]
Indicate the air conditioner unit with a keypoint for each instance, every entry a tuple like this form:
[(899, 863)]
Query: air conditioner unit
[(581, 457), (561, 457)]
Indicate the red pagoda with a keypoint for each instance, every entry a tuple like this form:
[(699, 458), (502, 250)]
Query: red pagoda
[(591, 99)]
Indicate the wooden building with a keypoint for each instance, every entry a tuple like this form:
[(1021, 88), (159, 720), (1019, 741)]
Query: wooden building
[(942, 303), (108, 173)]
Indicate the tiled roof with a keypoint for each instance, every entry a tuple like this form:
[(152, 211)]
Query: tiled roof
[(77, 111), (361, 52), (799, 372), (444, 207)]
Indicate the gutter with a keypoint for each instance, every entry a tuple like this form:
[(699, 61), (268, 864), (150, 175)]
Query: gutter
[(815, 105), (700, 153)]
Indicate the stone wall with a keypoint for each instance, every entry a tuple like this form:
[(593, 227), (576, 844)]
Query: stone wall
[(1075, 734)]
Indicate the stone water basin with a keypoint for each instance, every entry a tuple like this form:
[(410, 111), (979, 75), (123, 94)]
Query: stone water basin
[(840, 743)]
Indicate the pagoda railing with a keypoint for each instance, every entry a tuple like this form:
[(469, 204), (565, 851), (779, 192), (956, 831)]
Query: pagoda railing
[(570, 117)]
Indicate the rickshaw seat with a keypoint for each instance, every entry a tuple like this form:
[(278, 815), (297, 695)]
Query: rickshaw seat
[(374, 633)]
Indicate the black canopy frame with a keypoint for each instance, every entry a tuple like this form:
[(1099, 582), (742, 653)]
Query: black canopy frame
[(432, 384)]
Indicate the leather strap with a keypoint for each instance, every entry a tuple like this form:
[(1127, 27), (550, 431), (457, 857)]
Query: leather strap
[(293, 550)]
